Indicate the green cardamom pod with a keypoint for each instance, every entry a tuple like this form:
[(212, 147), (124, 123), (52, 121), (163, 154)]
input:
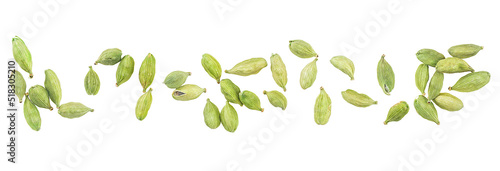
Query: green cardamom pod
[(230, 91), (125, 70), (429, 56), (40, 97), (302, 49), (357, 99), (464, 51), (188, 92), (176, 79), (143, 105), (385, 76), (471, 82), (308, 74), (73, 110), (251, 100), (276, 99), (211, 114), (22, 55), (422, 77), (211, 66), (397, 112), (435, 85), (147, 71), (278, 69), (448, 102), (19, 85), (344, 64), (426, 110), (32, 115), (248, 67), (453, 65), (92, 83), (322, 108), (229, 117), (53, 87), (109, 57)]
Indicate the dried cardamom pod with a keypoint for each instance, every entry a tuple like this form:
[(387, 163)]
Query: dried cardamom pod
[(92, 83), (40, 97), (322, 108), (422, 77), (248, 67), (32, 115), (397, 112), (429, 56), (251, 100), (464, 51), (426, 110), (109, 57), (211, 114), (211, 66), (53, 87), (344, 64), (22, 55), (176, 79), (435, 85), (143, 105), (302, 49), (276, 98), (448, 102), (147, 71), (453, 65), (125, 70), (308, 74), (230, 91), (357, 99), (73, 110), (278, 69), (188, 92), (471, 82), (385, 76), (19, 85), (229, 117)]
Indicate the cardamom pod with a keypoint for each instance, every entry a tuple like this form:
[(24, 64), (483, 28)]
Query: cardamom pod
[(229, 117), (322, 108), (19, 85), (230, 91), (357, 99), (276, 99), (251, 100), (147, 71), (125, 70), (308, 74), (435, 85), (278, 69), (344, 64), (429, 56), (40, 97), (188, 92), (426, 110), (176, 79), (453, 65), (248, 67), (22, 55), (471, 82), (464, 51), (92, 83), (211, 114), (448, 102), (302, 49), (211, 66), (73, 110), (32, 115), (422, 77), (397, 112), (53, 87), (143, 105), (109, 57), (385, 76)]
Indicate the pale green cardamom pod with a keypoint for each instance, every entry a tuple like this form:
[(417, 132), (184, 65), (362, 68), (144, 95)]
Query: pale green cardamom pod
[(211, 66), (302, 49), (109, 57), (278, 69), (471, 82), (22, 55), (385, 76), (322, 108), (176, 79), (453, 65), (435, 85), (40, 97), (429, 56), (143, 105), (147, 71), (464, 51), (92, 83), (397, 112), (308, 74), (211, 114), (422, 77), (448, 102), (248, 67), (125, 70), (20, 85), (426, 110), (357, 99), (230, 91), (53, 87), (229, 117), (276, 98), (251, 100), (32, 115), (344, 64), (188, 92), (73, 110)]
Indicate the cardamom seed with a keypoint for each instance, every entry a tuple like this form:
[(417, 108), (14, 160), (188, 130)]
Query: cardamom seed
[(40, 97), (143, 105), (188, 92), (92, 83), (125, 70), (435, 85), (19, 85), (308, 74), (147, 71), (53, 87), (22, 55), (176, 79), (73, 110), (248, 67), (397, 112), (385, 76), (276, 98), (109, 57), (426, 110), (453, 65), (357, 99), (471, 82), (211, 114), (251, 100), (322, 108), (302, 49), (211, 66), (429, 56), (32, 115), (344, 64), (448, 102), (229, 117), (422, 77), (230, 91), (278, 69), (464, 51)]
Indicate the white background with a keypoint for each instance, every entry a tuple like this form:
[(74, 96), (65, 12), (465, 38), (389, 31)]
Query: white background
[(70, 35)]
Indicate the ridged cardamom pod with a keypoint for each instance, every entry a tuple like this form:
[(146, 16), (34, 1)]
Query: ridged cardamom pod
[(322, 108), (453, 65), (422, 77), (19, 85), (251, 100), (435, 85), (211, 66), (125, 70), (344, 64), (229, 117), (147, 71), (32, 115), (73, 110), (464, 50), (109, 57), (397, 112), (429, 56), (53, 87), (40, 97), (308, 74), (385, 76), (276, 98), (176, 79), (426, 110), (92, 83), (278, 69), (248, 67), (143, 105), (471, 82), (302, 49), (22, 55), (188, 92), (357, 99), (230, 91), (448, 102), (211, 114)]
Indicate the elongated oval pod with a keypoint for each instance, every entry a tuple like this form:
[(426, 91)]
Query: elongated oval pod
[(344, 64), (229, 118), (22, 55), (147, 71), (20, 85), (302, 49), (435, 85), (308, 74), (188, 92), (230, 91), (250, 100), (385, 76), (397, 112), (448, 102), (211, 114), (125, 70), (92, 82), (143, 105), (248, 67), (176, 79), (429, 56), (278, 69), (32, 115), (109, 57), (357, 99), (73, 110), (471, 82), (464, 51), (426, 110), (453, 65), (322, 108), (276, 98), (422, 77), (211, 66), (53, 87), (40, 97)]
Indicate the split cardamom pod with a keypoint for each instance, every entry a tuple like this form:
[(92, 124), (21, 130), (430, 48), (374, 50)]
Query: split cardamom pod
[(211, 66), (344, 64), (471, 82), (464, 51), (19, 85), (251, 100), (125, 70), (211, 114), (230, 91), (229, 117), (426, 110), (143, 105), (278, 70), (147, 71), (40, 97), (188, 92), (32, 115), (276, 98), (308, 74), (109, 57), (435, 85), (422, 77), (322, 108), (176, 79), (453, 65), (248, 67), (357, 99), (397, 112), (92, 83), (22, 55), (429, 56), (73, 110), (53, 87), (385, 76), (448, 102), (302, 49)]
